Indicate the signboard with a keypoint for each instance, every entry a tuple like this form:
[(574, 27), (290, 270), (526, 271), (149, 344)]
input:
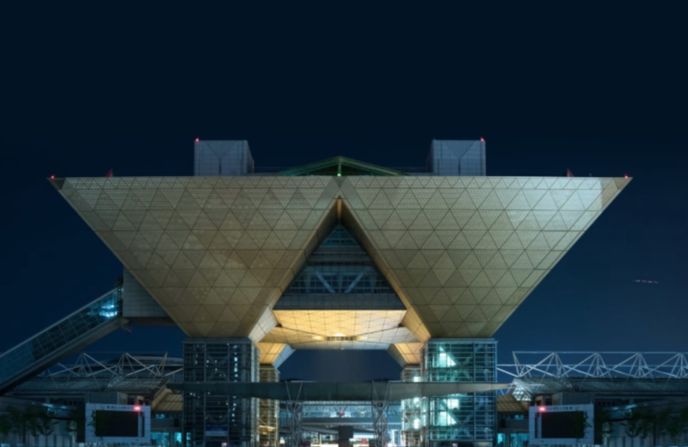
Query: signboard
[(561, 424), (120, 424)]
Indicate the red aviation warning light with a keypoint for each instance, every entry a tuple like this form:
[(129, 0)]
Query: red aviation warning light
[(626, 176), (52, 178), (197, 140), (482, 139)]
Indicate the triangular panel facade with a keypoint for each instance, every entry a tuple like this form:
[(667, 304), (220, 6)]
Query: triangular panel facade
[(213, 251), (464, 252), (461, 253)]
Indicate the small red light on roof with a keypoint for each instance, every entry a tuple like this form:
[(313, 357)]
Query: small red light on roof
[(137, 407), (52, 177), (482, 139), (542, 409), (626, 176), (197, 140)]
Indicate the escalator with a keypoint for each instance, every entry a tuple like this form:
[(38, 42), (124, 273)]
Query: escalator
[(95, 320)]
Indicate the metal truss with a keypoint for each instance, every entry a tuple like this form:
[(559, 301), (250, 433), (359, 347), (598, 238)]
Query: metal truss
[(598, 365), (533, 372), (339, 265), (125, 366), (144, 374)]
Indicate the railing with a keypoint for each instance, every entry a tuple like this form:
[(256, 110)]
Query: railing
[(73, 332)]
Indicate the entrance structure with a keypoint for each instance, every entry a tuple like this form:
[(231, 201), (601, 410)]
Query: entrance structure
[(339, 254)]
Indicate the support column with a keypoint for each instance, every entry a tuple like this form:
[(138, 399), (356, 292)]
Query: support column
[(379, 405), (294, 410), (268, 415), (293, 407), (460, 418), (379, 408), (214, 419)]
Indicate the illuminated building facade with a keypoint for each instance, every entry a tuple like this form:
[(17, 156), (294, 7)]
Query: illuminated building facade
[(338, 254)]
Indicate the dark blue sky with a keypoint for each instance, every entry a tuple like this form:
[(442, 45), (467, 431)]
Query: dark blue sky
[(599, 91)]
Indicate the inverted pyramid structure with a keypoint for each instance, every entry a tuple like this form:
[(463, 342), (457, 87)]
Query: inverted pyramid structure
[(460, 253)]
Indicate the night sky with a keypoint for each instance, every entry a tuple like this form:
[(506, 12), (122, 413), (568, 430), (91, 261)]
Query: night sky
[(599, 91)]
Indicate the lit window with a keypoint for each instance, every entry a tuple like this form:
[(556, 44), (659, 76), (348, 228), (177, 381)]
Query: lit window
[(443, 360), (453, 404)]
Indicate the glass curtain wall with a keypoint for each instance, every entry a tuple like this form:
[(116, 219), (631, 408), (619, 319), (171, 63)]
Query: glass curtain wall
[(467, 417)]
